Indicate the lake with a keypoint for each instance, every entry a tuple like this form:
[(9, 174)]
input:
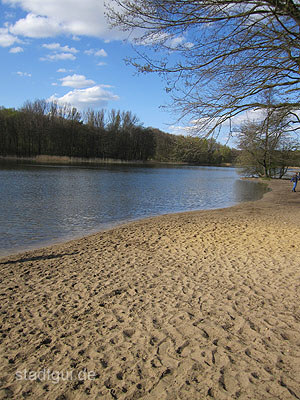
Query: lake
[(44, 204)]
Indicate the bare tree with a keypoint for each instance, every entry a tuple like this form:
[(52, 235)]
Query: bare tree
[(267, 148), (96, 119), (129, 120), (217, 56)]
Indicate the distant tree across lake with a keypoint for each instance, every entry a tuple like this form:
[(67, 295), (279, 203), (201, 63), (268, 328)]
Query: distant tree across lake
[(43, 128)]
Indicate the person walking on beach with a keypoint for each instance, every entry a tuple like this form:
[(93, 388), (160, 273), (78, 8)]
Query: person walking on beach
[(294, 179)]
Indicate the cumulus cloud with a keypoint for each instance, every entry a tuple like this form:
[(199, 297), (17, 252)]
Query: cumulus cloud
[(171, 41), (100, 53), (35, 26), (6, 39), (253, 115), (58, 47), (49, 18), (97, 53), (182, 130), (59, 52), (95, 96), (16, 50), (76, 81), (58, 57)]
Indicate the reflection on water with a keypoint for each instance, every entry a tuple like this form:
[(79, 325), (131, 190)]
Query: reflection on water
[(245, 190), (41, 204)]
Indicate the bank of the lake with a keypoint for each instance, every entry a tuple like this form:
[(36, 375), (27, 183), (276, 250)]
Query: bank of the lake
[(66, 160), (193, 305)]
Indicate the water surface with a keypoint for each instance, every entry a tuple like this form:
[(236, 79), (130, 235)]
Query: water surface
[(46, 203)]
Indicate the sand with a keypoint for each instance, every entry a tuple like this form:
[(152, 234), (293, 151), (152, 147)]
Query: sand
[(199, 305)]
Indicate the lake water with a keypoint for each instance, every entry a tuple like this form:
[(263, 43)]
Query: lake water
[(46, 204)]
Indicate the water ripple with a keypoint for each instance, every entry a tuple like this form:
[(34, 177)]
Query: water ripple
[(43, 204)]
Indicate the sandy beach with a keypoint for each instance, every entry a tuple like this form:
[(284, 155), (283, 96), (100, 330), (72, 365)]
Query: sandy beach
[(199, 305)]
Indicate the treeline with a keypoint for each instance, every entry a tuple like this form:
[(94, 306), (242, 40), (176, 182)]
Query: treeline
[(43, 128), (192, 150)]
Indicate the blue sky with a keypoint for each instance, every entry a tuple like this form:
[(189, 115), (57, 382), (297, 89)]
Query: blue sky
[(65, 51)]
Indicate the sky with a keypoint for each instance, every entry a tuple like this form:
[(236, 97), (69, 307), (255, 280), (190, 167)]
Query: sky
[(65, 51)]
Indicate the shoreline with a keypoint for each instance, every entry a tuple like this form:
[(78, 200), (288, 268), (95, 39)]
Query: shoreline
[(81, 161), (193, 305), (67, 160)]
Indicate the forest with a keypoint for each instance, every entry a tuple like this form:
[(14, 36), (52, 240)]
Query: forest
[(44, 128)]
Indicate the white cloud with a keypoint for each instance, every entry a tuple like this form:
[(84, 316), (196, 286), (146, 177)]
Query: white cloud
[(76, 81), (101, 53), (101, 64), (188, 45), (95, 96), (49, 18), (89, 52), (176, 41), (155, 38), (16, 50), (57, 47), (97, 53), (236, 121), (26, 74), (58, 57), (6, 39), (257, 114), (59, 52), (181, 130), (171, 41), (35, 26)]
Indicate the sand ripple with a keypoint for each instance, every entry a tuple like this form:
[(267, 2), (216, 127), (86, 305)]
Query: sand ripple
[(201, 305)]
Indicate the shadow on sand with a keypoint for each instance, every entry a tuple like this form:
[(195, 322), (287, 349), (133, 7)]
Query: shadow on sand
[(38, 258)]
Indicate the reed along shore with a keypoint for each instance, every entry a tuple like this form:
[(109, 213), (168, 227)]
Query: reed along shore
[(198, 305)]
